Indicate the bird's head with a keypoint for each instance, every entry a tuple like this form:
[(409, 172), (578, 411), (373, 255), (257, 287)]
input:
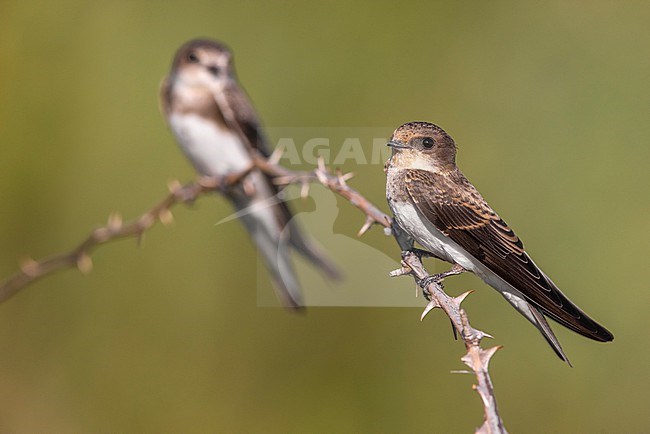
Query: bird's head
[(203, 63), (422, 145)]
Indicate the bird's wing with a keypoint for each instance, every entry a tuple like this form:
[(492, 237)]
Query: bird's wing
[(241, 117), (456, 208), (165, 96)]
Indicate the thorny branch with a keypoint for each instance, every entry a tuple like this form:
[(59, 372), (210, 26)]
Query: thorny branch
[(80, 257), (476, 358)]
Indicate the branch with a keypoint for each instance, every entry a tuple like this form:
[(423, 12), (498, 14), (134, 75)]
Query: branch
[(476, 357), (335, 182), (80, 257)]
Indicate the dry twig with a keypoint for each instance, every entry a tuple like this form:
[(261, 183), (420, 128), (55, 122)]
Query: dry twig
[(477, 358), (31, 270), (80, 257)]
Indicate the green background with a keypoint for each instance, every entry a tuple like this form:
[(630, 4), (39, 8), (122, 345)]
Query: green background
[(549, 104)]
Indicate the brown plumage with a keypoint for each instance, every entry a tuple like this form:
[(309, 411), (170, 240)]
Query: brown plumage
[(423, 174), (219, 131)]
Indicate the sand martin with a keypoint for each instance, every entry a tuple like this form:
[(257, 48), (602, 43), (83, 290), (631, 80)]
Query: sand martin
[(438, 207), (218, 130)]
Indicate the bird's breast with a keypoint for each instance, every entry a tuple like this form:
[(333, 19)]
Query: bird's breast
[(213, 149)]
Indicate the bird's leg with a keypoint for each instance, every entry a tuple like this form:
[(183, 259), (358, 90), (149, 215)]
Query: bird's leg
[(421, 253), (438, 278)]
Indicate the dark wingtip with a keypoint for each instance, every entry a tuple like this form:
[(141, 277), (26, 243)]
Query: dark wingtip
[(603, 335)]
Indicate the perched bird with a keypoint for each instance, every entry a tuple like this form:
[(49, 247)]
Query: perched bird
[(435, 205), (219, 132)]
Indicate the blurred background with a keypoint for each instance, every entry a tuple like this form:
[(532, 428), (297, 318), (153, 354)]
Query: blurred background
[(549, 105)]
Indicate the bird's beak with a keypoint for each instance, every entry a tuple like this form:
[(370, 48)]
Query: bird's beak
[(396, 145)]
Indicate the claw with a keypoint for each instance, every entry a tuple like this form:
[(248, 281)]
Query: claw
[(432, 278)]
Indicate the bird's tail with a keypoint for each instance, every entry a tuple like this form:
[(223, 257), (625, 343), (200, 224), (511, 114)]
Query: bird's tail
[(535, 316), (540, 322), (312, 252), (274, 247)]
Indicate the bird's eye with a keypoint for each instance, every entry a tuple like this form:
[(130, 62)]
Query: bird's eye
[(427, 142), (193, 58), (214, 70)]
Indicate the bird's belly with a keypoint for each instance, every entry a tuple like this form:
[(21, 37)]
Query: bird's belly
[(213, 149), (431, 238)]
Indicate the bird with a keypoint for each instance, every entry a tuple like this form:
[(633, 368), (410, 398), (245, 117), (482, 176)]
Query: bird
[(220, 133), (435, 205)]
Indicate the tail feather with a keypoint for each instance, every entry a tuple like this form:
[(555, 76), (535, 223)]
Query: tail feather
[(312, 252), (275, 249), (546, 331), (535, 316)]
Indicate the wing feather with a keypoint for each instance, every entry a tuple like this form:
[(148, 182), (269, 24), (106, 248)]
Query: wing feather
[(455, 207)]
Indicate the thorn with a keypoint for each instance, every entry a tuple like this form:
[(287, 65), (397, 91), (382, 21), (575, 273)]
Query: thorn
[(146, 220), (347, 176), (249, 188), (114, 221), (166, 217), (304, 190), (462, 297), (339, 177), (322, 176), (84, 263), (486, 355), (174, 186), (140, 238), (400, 272), (283, 180), (321, 164), (430, 306), (29, 266), (276, 156), (367, 225), (210, 182)]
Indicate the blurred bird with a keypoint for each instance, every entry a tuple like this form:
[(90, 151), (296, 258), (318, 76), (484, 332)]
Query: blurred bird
[(219, 132), (438, 207)]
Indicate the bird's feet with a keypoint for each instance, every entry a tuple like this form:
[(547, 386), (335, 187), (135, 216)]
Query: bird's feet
[(420, 253), (437, 279)]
